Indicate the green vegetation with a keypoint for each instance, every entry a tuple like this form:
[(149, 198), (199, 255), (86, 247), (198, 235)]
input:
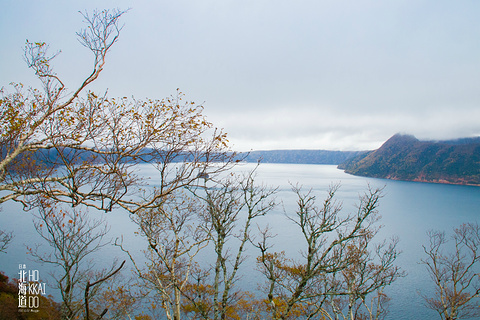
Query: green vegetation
[(403, 157)]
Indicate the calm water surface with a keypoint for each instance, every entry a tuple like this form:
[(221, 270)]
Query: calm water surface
[(408, 210)]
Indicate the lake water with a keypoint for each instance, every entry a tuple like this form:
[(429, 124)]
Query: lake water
[(408, 210)]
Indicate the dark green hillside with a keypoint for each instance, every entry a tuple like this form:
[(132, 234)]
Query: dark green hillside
[(403, 157)]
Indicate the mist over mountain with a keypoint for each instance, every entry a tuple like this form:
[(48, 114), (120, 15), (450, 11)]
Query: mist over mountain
[(404, 157)]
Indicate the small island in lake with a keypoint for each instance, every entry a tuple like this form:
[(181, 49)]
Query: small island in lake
[(404, 157)]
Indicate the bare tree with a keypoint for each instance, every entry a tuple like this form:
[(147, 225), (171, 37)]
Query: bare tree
[(180, 228), (53, 125), (453, 265), (356, 292), (82, 148), (72, 238), (231, 209), (5, 239), (175, 234), (335, 245)]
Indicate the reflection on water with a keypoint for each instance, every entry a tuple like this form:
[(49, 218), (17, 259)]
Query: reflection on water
[(408, 210)]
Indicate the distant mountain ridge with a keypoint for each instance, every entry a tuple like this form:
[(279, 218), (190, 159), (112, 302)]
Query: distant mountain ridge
[(404, 157), (301, 156)]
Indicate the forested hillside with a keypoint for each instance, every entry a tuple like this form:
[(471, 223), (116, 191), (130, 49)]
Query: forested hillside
[(404, 157)]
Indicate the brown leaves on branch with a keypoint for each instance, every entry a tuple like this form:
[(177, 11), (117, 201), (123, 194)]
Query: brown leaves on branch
[(81, 147), (339, 269)]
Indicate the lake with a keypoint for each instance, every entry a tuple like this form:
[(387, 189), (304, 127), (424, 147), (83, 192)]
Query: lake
[(408, 210)]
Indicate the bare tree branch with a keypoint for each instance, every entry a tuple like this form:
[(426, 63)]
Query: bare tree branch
[(454, 273), (337, 262), (5, 239)]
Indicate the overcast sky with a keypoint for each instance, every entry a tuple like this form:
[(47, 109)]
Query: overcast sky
[(277, 74)]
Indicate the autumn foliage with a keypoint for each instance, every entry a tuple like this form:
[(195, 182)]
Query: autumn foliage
[(49, 309), (64, 152)]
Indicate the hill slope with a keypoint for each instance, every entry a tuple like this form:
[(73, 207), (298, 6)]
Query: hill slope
[(403, 157)]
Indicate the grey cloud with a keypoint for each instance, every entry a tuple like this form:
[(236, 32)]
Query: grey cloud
[(281, 74)]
